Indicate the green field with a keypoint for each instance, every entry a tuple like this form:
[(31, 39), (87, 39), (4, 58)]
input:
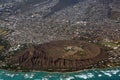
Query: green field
[(110, 44)]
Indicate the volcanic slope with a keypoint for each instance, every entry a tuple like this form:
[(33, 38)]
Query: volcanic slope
[(64, 55)]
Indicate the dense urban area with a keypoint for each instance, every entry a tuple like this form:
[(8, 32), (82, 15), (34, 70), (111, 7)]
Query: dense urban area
[(27, 23)]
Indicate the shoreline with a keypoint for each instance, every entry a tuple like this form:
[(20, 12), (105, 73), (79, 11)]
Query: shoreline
[(61, 72)]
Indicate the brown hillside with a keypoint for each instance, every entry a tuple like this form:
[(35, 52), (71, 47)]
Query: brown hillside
[(67, 55)]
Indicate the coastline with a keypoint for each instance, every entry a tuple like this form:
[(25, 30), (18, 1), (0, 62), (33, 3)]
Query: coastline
[(95, 74), (80, 71)]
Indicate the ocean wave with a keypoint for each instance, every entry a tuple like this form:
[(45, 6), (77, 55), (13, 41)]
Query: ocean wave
[(10, 75), (44, 78), (30, 76), (113, 71), (69, 78), (109, 73), (99, 75), (85, 76), (37, 79), (81, 76)]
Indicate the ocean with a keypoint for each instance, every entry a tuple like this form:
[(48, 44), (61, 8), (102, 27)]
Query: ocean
[(103, 74)]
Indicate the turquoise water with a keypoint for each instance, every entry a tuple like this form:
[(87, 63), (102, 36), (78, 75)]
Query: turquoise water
[(106, 74)]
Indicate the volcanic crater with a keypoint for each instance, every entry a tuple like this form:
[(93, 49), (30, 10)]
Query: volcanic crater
[(63, 55)]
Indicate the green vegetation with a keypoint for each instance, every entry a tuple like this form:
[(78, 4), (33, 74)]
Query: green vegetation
[(110, 44), (4, 31), (4, 43), (1, 48)]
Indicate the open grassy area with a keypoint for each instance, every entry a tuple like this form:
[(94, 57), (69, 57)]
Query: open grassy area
[(4, 31), (1, 47), (110, 44), (4, 44)]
